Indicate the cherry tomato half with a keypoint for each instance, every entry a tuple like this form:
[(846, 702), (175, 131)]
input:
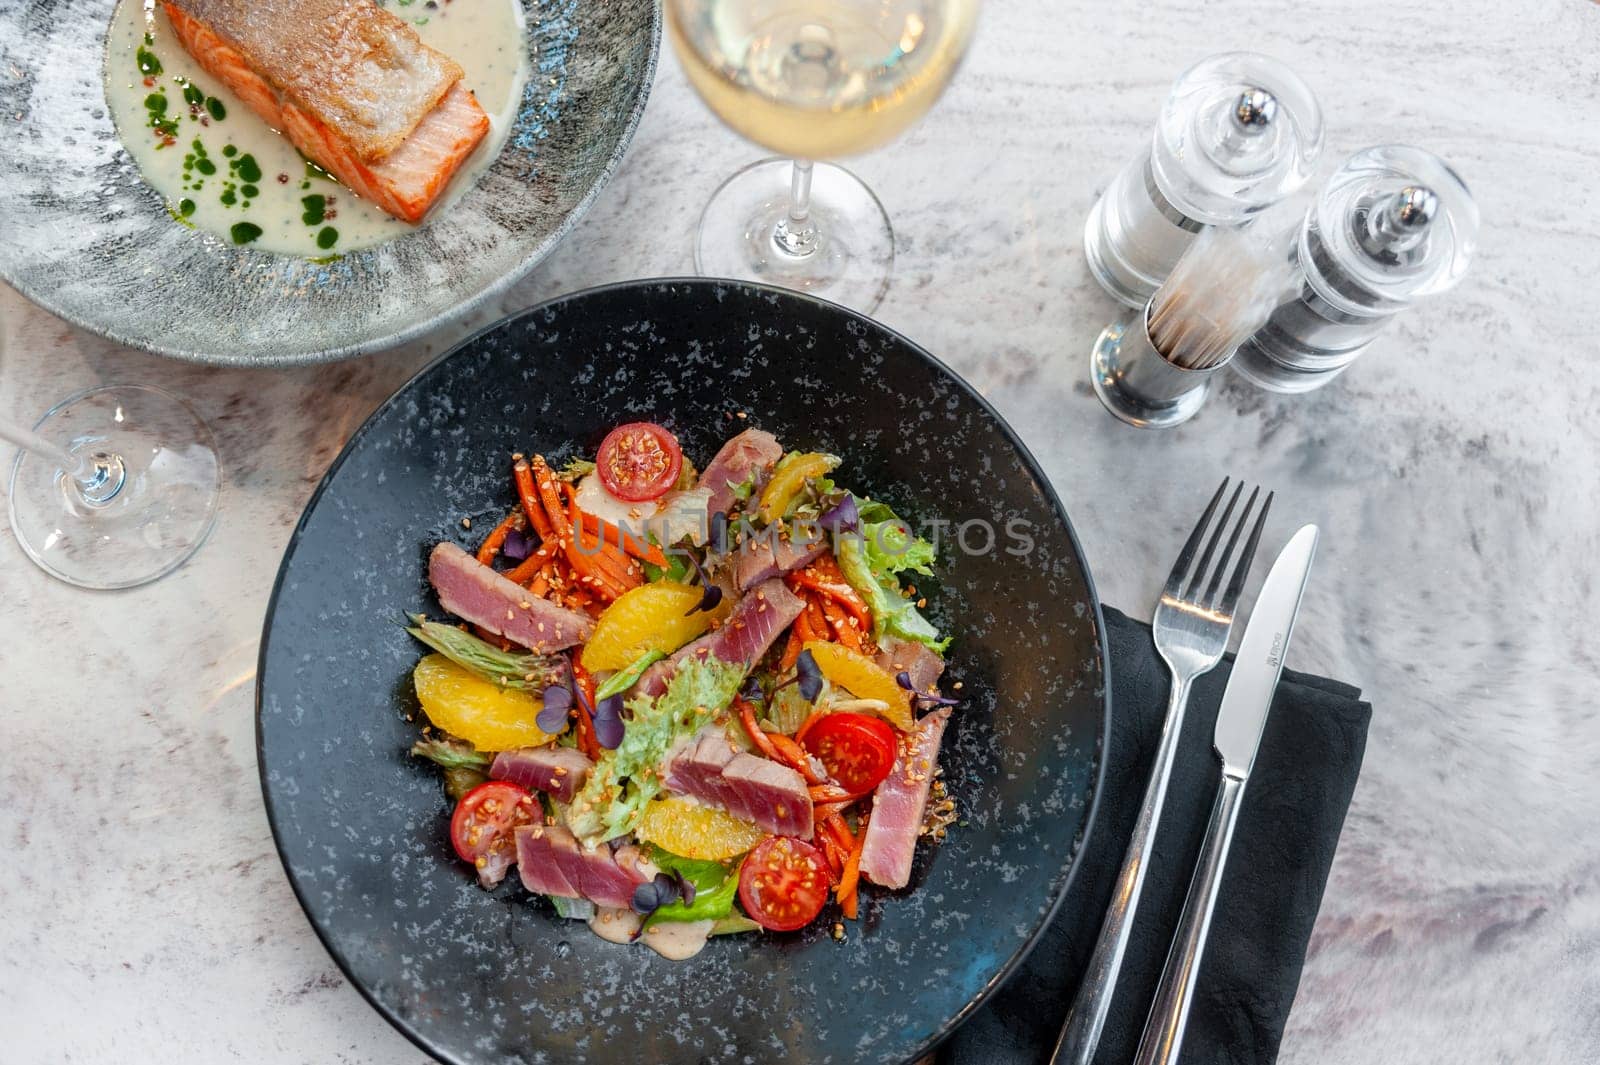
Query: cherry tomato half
[(858, 751), (482, 829), (784, 883), (639, 461)]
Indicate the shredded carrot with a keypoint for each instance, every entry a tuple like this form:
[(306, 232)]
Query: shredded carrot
[(587, 743), (747, 717), (812, 624), (848, 893), (614, 535), (835, 854), (792, 755), (497, 537), (824, 810), (532, 508), (792, 649), (826, 578), (534, 563), (844, 626), (840, 832), (561, 528), (830, 793)]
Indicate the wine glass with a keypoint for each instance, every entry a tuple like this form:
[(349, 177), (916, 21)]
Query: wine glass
[(812, 79), (114, 486)]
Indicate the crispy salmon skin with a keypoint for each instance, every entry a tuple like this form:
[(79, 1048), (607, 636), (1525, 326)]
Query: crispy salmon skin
[(405, 180), (348, 63)]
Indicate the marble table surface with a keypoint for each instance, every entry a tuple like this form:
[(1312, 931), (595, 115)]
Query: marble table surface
[(146, 916)]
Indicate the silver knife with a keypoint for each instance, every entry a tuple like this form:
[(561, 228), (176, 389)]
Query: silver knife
[(1256, 669)]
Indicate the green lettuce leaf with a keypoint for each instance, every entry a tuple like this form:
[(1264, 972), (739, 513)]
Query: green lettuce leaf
[(890, 545), (892, 613), (625, 779), (715, 886)]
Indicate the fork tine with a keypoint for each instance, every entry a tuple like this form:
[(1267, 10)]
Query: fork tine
[(1241, 570), (1210, 601), (1180, 568), (1204, 565)]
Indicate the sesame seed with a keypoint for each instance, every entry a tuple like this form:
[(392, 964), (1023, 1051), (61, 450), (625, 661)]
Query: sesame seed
[(466, 523)]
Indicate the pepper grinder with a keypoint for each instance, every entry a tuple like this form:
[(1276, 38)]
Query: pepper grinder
[(1238, 133), (1393, 224)]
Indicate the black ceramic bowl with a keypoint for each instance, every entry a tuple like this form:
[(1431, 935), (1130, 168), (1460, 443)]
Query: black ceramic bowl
[(473, 976)]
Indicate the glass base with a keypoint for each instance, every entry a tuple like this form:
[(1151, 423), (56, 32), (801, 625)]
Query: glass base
[(741, 235), (152, 507)]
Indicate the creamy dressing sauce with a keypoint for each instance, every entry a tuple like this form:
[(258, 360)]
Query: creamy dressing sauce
[(677, 940), (221, 168), (615, 926), (673, 940)]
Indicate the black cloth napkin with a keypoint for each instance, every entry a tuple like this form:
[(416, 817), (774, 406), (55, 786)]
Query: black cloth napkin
[(1294, 808)]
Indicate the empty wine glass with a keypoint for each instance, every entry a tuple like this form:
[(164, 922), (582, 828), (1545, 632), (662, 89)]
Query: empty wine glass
[(114, 486), (812, 79)]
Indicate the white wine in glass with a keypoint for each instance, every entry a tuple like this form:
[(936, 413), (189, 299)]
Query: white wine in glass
[(812, 79)]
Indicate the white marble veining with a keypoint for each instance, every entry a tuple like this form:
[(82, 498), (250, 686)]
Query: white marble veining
[(1454, 473)]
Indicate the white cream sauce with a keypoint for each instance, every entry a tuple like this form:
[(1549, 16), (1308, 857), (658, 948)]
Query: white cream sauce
[(673, 940), (487, 37)]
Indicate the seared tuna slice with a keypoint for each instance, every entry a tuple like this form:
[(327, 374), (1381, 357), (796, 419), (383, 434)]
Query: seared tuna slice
[(899, 804), (907, 656), (752, 451), (759, 558), (551, 861), (710, 768), (558, 771), (474, 592), (744, 637)]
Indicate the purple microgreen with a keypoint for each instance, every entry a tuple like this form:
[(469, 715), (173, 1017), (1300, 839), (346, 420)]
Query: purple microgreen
[(708, 600), (608, 726), (923, 700), (518, 546), (751, 691), (711, 595), (557, 704), (809, 675), (654, 894), (842, 516), (686, 888)]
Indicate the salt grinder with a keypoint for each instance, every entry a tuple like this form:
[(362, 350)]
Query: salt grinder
[(1238, 133), (1392, 224)]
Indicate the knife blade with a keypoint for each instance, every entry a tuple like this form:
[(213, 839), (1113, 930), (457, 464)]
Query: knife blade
[(1259, 662)]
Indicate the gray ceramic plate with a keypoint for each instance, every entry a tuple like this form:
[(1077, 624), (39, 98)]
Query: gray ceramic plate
[(495, 978), (83, 236)]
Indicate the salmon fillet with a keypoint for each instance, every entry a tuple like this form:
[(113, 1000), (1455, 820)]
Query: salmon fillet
[(348, 63), (406, 182)]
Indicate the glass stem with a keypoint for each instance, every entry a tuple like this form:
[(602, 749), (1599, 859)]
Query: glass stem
[(97, 475), (796, 233)]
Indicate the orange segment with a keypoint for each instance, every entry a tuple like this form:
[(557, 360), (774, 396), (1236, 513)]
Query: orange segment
[(652, 617), (691, 830), (863, 678), (489, 717), (789, 478)]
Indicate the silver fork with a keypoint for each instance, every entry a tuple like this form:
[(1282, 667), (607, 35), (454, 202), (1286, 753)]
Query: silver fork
[(1191, 625)]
